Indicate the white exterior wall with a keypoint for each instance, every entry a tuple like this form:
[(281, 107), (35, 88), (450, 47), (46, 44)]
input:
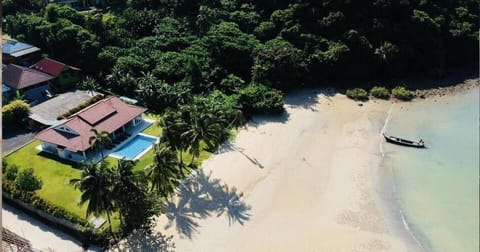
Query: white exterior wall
[(49, 147)]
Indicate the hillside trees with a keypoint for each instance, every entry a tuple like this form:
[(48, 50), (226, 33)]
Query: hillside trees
[(279, 64)]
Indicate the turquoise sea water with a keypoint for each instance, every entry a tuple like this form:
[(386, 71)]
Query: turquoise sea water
[(437, 188)]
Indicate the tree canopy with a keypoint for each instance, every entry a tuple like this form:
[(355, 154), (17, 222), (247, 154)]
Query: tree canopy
[(279, 44)]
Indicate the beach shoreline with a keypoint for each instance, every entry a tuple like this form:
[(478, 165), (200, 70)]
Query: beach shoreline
[(307, 180), (390, 195), (464, 86)]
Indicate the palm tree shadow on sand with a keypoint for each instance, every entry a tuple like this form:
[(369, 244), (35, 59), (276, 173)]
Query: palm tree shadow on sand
[(200, 197), (229, 146), (139, 241)]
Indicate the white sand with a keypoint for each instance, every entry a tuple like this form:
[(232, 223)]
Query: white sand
[(41, 236), (308, 180)]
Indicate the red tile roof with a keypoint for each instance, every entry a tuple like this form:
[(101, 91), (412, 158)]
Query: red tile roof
[(94, 116), (19, 77), (52, 67)]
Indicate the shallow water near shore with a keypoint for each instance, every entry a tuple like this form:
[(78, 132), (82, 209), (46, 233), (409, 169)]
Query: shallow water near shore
[(437, 188)]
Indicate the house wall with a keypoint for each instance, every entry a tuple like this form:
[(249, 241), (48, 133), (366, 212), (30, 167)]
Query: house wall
[(49, 147), (138, 119), (26, 60), (63, 153), (75, 156), (7, 59)]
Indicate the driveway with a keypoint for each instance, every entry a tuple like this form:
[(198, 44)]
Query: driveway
[(14, 138)]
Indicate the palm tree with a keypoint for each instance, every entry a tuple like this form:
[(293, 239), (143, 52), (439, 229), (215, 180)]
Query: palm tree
[(148, 90), (162, 172), (202, 126), (95, 184), (125, 186), (99, 140), (90, 85), (201, 21), (173, 128)]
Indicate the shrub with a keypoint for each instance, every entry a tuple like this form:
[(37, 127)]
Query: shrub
[(380, 92), (358, 94), (14, 112), (27, 181), (402, 93), (231, 83), (257, 98), (10, 172)]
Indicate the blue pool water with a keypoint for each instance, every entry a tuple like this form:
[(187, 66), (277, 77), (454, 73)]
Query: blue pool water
[(134, 146)]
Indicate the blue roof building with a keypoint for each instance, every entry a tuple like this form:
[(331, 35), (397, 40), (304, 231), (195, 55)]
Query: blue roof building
[(19, 52)]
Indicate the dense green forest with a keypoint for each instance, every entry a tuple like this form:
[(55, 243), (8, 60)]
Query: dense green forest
[(165, 52)]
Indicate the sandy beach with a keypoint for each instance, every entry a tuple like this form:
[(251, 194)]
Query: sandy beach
[(300, 182)]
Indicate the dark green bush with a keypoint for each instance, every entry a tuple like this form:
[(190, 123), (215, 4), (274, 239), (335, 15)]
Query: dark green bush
[(27, 181), (10, 172), (358, 94), (402, 93), (231, 83), (380, 92), (14, 112), (257, 98)]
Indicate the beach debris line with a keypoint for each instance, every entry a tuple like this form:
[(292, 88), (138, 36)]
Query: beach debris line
[(404, 142)]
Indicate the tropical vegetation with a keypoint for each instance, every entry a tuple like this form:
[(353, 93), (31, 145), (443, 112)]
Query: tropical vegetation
[(402, 93), (380, 92), (358, 94), (206, 66), (25, 180), (14, 112), (165, 53)]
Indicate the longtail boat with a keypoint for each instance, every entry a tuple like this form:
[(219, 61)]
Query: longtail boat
[(404, 142)]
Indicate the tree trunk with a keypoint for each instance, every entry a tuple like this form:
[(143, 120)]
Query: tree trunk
[(191, 162), (181, 162), (110, 225), (101, 152), (111, 230), (181, 156)]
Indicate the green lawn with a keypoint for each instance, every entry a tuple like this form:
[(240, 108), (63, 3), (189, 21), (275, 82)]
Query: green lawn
[(55, 175), (154, 129)]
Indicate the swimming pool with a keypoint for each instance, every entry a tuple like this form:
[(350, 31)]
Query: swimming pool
[(135, 147)]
